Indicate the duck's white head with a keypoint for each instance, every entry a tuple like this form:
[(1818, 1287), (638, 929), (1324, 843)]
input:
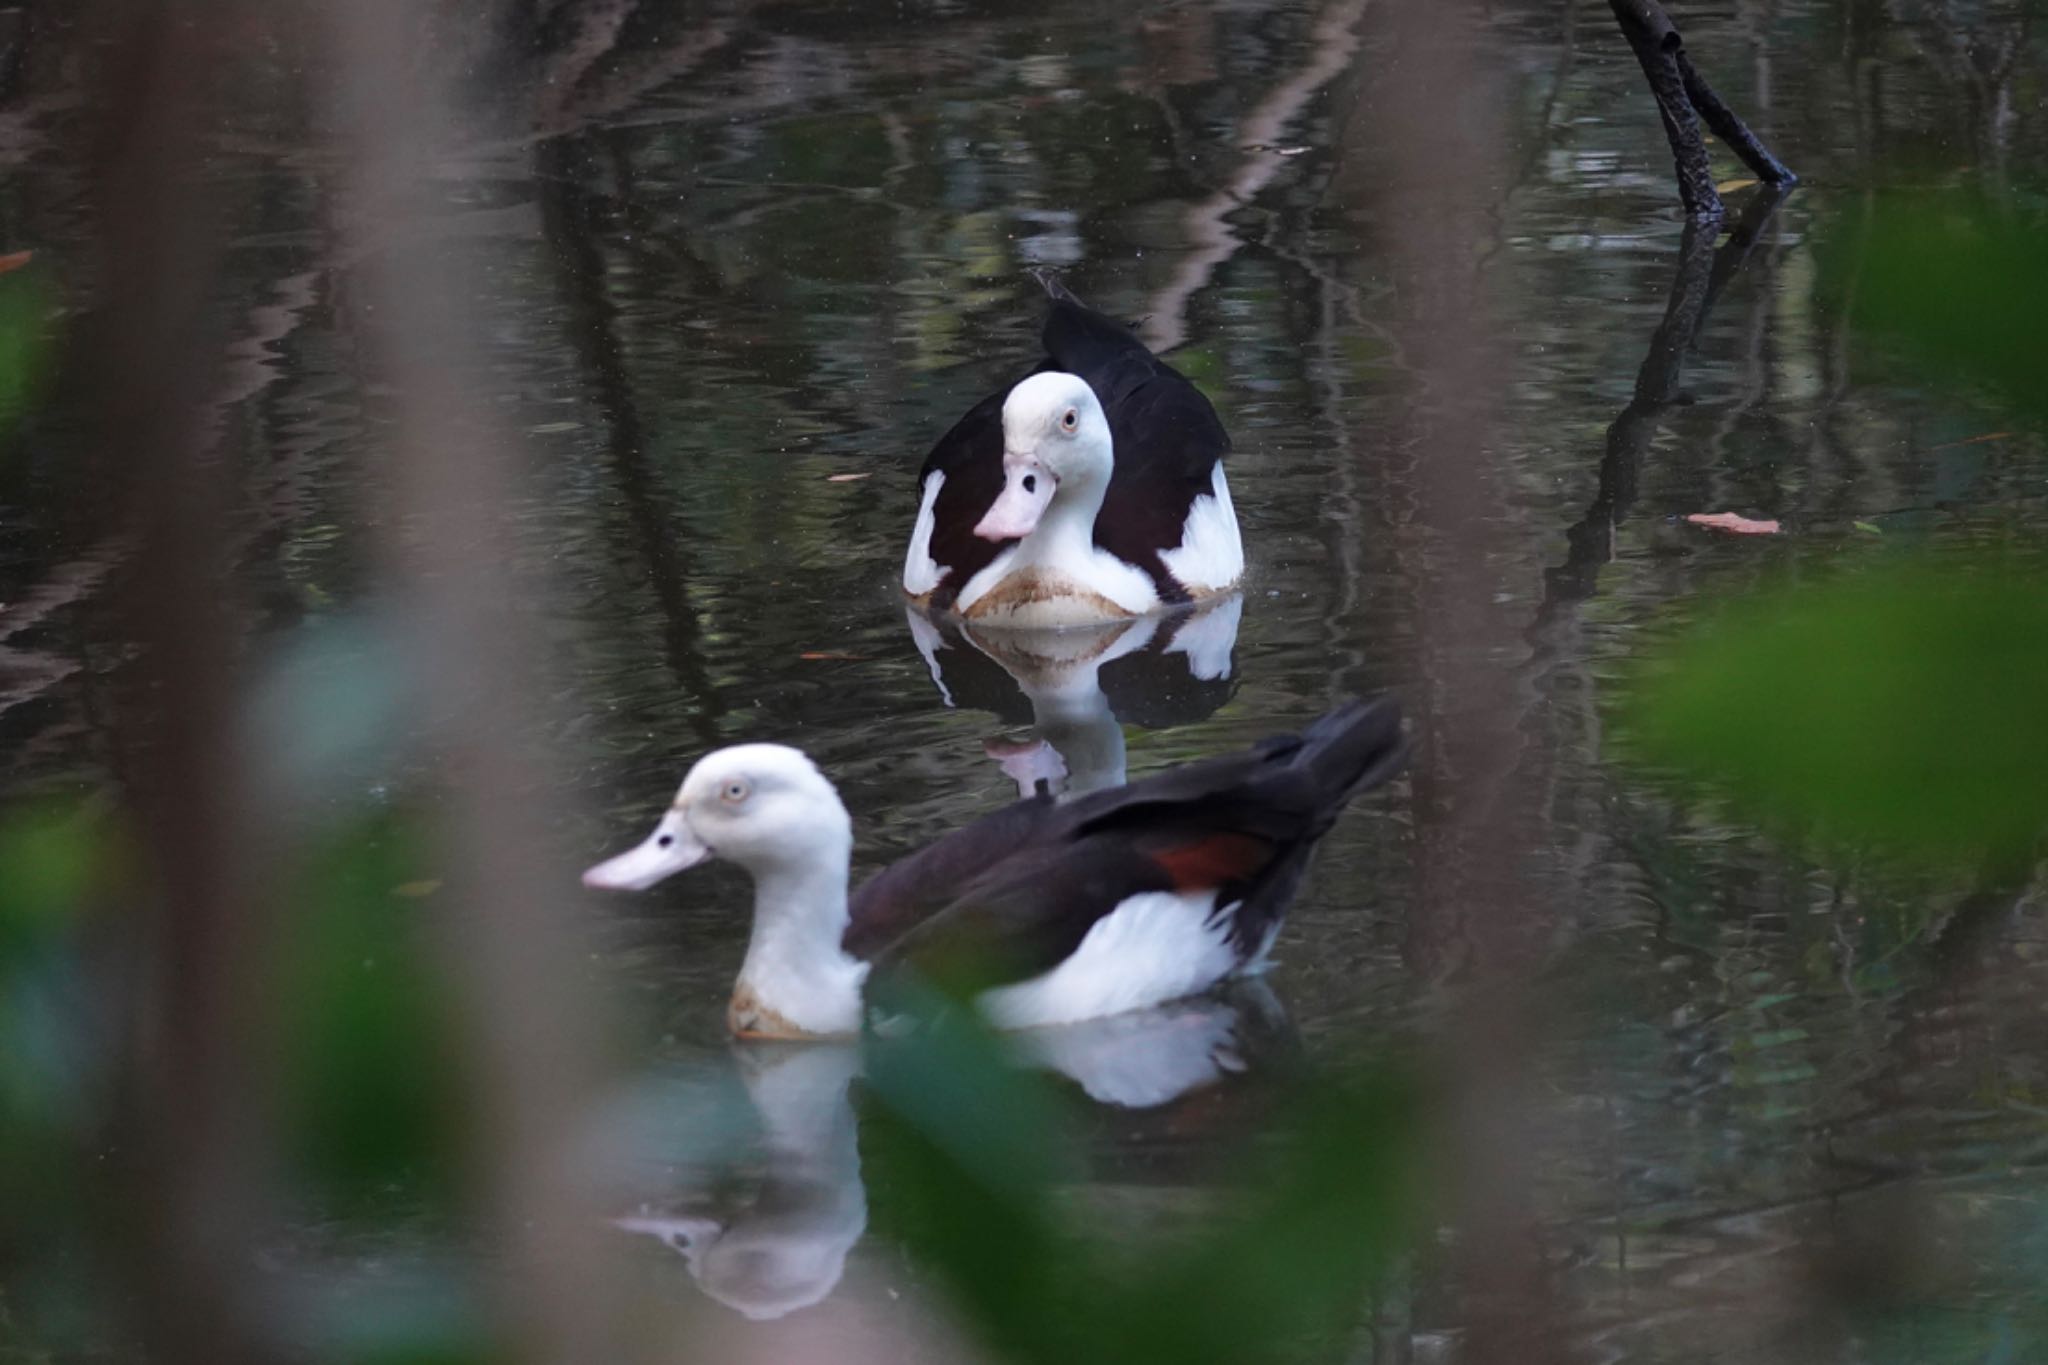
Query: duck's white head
[(1054, 436), (763, 806)]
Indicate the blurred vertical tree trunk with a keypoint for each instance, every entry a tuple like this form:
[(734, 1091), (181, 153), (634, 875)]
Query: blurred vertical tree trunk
[(1438, 159), (192, 1127), (454, 475)]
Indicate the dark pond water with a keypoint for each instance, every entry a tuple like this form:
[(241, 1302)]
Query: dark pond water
[(774, 245)]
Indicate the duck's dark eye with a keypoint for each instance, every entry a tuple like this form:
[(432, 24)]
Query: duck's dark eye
[(1030, 483), (665, 840)]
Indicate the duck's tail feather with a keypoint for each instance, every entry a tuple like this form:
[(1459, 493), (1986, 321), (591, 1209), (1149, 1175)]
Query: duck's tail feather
[(1352, 749)]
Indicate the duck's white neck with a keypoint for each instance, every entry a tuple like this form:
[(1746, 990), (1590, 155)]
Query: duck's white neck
[(1066, 531), (796, 981)]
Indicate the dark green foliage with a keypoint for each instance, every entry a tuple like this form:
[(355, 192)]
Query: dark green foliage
[(1900, 707), (372, 1098), (1955, 284), (24, 304), (965, 1150)]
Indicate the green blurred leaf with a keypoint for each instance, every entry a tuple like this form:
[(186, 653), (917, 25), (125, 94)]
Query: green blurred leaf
[(48, 859), (1338, 1199), (371, 1086), (970, 1152), (1900, 708), (1955, 282), (24, 307), (968, 1147)]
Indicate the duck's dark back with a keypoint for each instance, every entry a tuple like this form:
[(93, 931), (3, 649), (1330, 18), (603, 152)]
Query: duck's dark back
[(1015, 892)]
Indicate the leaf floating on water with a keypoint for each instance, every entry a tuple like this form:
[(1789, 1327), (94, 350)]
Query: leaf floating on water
[(1735, 522), (831, 655), (1974, 440), (413, 891), (15, 260), (846, 478), (1869, 526), (1730, 186), (550, 428)]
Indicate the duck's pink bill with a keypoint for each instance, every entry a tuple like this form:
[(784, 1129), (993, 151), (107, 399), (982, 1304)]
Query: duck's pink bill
[(1015, 512), (671, 848)]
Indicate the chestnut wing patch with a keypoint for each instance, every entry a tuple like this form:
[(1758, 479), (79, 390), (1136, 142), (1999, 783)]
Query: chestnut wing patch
[(1205, 862)]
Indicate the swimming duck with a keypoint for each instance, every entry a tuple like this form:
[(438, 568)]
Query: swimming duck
[(1116, 901), (1091, 491)]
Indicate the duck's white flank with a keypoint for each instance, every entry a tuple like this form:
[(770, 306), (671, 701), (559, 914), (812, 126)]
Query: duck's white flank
[(921, 573), (1210, 557), (1154, 947)]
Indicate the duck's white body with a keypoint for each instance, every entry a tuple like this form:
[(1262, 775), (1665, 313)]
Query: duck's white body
[(1154, 947)]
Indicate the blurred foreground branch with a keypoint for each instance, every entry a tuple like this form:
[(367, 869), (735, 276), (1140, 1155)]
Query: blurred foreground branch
[(508, 945), (189, 1129)]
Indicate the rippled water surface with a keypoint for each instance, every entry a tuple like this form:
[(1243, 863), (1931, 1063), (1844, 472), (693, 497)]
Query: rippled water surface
[(757, 259)]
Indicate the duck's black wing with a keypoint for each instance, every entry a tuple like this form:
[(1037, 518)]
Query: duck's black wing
[(970, 456), (1012, 895)]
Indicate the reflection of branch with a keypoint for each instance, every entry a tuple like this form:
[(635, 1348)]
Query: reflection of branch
[(566, 101), (1680, 90), (566, 215), (1702, 273), (1331, 43)]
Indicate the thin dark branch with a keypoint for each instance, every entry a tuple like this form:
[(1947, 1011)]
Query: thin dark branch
[(1681, 92)]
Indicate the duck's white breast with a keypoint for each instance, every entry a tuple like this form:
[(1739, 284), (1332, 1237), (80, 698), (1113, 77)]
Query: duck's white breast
[(1154, 947), (1024, 587)]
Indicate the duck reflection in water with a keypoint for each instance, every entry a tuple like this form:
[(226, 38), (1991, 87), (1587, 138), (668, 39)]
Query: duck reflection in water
[(1079, 686), (773, 1236)]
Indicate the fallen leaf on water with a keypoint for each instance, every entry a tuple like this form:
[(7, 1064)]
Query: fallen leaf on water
[(550, 428), (844, 478), (815, 655), (15, 260), (1974, 440), (413, 891), (1868, 526), (1730, 186), (1731, 521)]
